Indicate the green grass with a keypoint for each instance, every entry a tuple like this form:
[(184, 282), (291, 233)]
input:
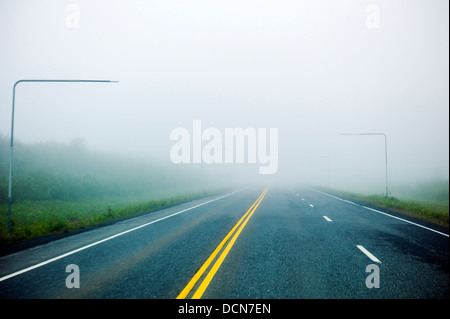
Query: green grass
[(59, 188), (435, 211), (32, 219)]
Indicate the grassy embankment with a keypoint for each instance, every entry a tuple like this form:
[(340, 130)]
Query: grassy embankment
[(32, 219), (426, 201), (59, 188)]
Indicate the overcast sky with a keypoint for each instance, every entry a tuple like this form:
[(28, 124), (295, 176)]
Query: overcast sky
[(312, 69)]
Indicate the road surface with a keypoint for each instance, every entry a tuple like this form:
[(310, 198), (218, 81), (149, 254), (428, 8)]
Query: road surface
[(255, 242)]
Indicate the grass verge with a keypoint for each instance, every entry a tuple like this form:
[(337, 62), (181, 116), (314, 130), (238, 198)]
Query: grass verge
[(33, 219), (436, 212)]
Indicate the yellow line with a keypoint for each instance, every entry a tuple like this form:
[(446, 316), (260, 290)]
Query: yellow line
[(198, 294), (200, 272)]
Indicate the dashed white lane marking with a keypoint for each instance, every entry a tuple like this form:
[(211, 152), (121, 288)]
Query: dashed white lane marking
[(368, 254)]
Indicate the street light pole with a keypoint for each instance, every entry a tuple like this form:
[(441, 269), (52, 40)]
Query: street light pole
[(385, 154), (12, 134)]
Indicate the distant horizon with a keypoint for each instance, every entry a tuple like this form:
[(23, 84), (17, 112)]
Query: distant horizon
[(398, 188)]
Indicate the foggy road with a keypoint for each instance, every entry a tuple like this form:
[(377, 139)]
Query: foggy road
[(251, 243), (127, 113)]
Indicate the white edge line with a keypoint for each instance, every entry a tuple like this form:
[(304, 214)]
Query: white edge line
[(380, 212), (344, 200), (327, 219), (405, 220), (111, 237), (368, 254)]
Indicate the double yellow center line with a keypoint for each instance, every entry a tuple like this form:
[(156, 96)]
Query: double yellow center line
[(235, 231)]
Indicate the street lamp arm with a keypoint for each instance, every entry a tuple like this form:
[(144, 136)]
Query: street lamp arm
[(363, 134), (53, 80)]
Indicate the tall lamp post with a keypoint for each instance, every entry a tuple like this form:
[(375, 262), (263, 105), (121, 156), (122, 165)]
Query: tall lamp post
[(385, 154), (12, 133)]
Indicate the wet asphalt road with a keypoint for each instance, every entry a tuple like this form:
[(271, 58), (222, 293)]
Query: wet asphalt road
[(296, 243)]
